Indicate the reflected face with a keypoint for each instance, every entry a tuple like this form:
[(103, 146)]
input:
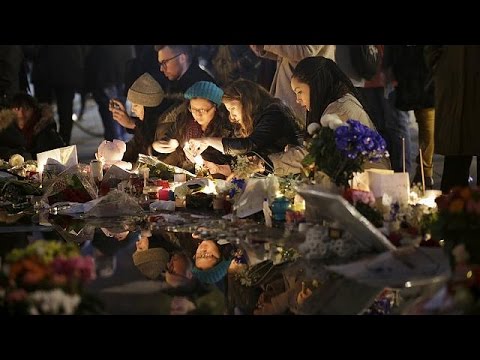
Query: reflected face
[(179, 265), (207, 255), (235, 108), (302, 91), (142, 244), (203, 111), (171, 64), (138, 110)]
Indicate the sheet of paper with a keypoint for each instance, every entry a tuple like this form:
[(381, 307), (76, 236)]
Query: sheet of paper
[(251, 200), (396, 185), (420, 267), (66, 156)]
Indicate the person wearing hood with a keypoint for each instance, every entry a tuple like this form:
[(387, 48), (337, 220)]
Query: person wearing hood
[(11, 139), (36, 123)]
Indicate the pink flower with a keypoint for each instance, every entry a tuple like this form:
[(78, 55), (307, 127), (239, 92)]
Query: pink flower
[(364, 197)]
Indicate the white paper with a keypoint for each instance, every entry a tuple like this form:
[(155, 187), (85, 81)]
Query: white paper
[(396, 185), (67, 156), (115, 172), (422, 266), (251, 200)]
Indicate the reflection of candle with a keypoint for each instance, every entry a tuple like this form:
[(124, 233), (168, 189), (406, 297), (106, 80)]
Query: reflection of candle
[(299, 203)]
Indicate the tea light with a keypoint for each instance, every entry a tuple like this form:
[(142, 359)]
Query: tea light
[(429, 198)]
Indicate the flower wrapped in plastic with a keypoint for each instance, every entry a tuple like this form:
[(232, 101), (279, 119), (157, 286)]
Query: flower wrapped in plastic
[(72, 185), (47, 277), (341, 149)]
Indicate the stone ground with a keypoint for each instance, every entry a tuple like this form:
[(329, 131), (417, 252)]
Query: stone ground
[(87, 134)]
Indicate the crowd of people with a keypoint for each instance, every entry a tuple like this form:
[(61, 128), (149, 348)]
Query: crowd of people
[(211, 104)]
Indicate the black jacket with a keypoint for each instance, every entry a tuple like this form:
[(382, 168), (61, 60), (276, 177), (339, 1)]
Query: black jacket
[(11, 138), (191, 76), (415, 88), (273, 129), (44, 134), (154, 126)]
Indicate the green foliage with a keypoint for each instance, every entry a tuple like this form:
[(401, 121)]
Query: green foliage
[(161, 171)]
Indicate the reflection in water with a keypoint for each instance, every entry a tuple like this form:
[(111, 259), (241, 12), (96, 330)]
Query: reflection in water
[(211, 266)]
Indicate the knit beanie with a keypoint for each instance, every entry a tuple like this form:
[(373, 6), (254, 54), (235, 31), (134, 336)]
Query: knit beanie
[(213, 275), (151, 262), (146, 91), (206, 90)]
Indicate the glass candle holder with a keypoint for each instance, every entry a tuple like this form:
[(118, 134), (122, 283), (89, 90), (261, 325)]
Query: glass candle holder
[(279, 208)]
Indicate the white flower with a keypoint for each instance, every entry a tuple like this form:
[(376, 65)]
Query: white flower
[(16, 160), (332, 121), (313, 128), (54, 302)]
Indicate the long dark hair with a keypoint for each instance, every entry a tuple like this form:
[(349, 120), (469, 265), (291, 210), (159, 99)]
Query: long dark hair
[(254, 99), (327, 84)]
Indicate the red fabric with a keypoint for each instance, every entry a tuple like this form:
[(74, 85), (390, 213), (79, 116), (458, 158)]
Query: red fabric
[(194, 130)]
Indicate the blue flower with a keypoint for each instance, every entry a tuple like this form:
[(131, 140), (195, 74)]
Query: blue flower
[(341, 152)]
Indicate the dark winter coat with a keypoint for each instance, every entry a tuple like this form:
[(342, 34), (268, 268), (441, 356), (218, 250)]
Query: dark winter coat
[(273, 129), (11, 138), (415, 88), (456, 72), (43, 135), (191, 76), (155, 125)]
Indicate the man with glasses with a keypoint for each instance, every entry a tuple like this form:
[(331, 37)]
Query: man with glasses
[(180, 67)]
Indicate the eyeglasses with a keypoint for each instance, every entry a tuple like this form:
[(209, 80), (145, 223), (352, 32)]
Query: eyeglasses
[(199, 112), (165, 62)]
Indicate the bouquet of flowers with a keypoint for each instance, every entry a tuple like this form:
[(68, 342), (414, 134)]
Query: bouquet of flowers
[(340, 149), (46, 277), (457, 223), (72, 185)]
